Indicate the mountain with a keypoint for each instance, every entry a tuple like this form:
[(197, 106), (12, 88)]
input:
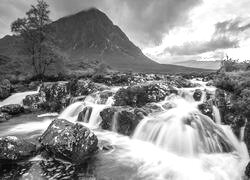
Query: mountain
[(84, 40), (215, 65)]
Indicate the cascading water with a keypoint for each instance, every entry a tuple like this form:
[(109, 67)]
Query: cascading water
[(92, 117), (177, 144), (185, 131)]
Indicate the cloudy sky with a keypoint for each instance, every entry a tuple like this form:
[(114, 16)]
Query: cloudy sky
[(166, 30)]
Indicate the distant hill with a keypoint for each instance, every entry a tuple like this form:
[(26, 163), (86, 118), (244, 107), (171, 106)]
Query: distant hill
[(85, 40), (215, 65)]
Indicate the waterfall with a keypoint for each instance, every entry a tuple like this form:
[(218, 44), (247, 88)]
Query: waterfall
[(72, 111), (185, 131), (217, 116), (115, 122), (91, 117)]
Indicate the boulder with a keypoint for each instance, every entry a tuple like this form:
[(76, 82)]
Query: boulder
[(69, 141), (56, 94), (139, 95), (121, 119), (12, 109), (13, 149), (34, 101), (4, 117), (5, 89), (206, 108), (84, 87), (197, 95)]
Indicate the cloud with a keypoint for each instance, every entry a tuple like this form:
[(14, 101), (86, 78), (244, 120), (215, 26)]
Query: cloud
[(226, 35), (194, 48), (145, 21), (149, 20), (233, 26)]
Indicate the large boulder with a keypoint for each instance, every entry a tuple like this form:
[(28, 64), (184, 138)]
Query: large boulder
[(121, 119), (206, 108), (139, 95), (12, 109), (34, 101), (13, 149), (69, 141), (5, 89), (84, 87), (57, 96)]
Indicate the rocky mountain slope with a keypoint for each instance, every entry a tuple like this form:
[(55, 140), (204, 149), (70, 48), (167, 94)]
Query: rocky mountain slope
[(84, 40)]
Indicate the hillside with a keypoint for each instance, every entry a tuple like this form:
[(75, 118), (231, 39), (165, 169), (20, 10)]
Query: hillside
[(84, 40), (215, 65)]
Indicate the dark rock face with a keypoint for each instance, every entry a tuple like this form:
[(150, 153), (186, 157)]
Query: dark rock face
[(55, 96), (247, 139), (127, 119), (85, 114), (137, 96), (65, 140), (197, 95), (247, 170), (206, 109), (5, 89), (4, 117), (13, 149), (12, 109), (34, 101), (84, 87)]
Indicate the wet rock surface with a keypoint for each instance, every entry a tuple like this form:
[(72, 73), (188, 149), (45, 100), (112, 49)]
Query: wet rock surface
[(13, 149), (206, 109), (12, 109), (85, 114), (121, 119), (5, 89), (4, 117), (47, 169), (197, 95), (139, 95), (65, 140), (55, 96)]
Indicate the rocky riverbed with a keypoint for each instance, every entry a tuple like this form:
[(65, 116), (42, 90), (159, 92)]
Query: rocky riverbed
[(120, 126)]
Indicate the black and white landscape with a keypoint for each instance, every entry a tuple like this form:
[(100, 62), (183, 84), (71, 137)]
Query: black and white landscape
[(124, 90)]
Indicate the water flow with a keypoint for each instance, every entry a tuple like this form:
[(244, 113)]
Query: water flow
[(92, 114), (17, 98), (217, 116), (183, 130), (115, 122)]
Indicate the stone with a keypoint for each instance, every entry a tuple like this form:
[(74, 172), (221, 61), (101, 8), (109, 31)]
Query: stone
[(139, 95), (4, 117), (126, 118), (5, 89), (69, 141), (12, 109), (206, 108), (197, 95), (14, 149)]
